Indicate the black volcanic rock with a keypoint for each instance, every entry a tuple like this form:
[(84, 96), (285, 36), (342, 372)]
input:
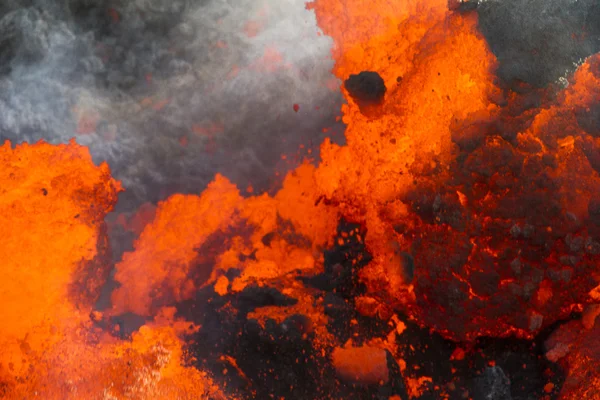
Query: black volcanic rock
[(366, 88)]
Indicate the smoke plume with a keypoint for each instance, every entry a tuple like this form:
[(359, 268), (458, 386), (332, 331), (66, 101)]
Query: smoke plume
[(168, 92)]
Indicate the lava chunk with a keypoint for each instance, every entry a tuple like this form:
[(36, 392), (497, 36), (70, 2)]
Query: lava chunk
[(366, 89)]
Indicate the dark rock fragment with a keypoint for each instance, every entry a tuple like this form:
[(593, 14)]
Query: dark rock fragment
[(589, 120), (367, 89), (594, 211), (408, 266)]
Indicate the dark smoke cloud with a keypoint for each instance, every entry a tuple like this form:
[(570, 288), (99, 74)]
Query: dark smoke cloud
[(540, 41)]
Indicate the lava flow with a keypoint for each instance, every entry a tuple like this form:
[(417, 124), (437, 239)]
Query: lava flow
[(481, 194), (55, 261), (459, 207)]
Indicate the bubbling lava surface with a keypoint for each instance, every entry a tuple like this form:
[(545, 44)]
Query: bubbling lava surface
[(478, 205)]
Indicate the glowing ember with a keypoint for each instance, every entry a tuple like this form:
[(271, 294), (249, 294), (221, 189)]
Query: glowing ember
[(361, 364)]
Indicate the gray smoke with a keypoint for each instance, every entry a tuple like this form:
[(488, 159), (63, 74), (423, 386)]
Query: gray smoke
[(169, 92), (540, 41)]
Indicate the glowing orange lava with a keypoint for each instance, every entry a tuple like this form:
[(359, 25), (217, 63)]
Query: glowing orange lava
[(172, 260), (440, 175), (52, 207), (482, 215)]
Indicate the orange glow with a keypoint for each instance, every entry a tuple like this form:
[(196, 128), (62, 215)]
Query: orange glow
[(448, 81), (478, 213), (159, 272), (440, 95), (270, 61), (136, 222), (165, 255), (366, 365), (86, 363), (52, 207), (576, 349)]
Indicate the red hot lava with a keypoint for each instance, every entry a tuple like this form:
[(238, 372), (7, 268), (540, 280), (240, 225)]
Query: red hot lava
[(481, 214)]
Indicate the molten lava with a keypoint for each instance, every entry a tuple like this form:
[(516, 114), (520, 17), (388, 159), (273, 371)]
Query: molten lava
[(52, 207), (479, 207), (488, 199), (196, 239)]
